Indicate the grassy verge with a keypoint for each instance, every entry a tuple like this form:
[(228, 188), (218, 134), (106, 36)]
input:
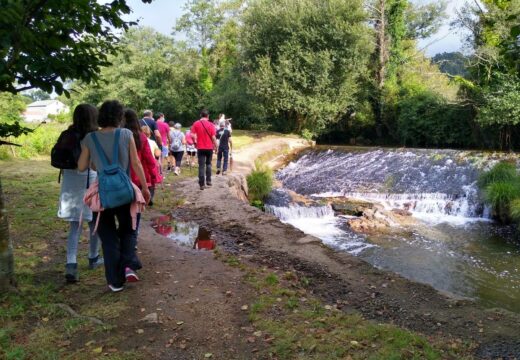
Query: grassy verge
[(34, 322), (36, 144), (293, 324)]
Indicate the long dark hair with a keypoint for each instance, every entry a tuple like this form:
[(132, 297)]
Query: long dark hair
[(84, 119), (131, 122)]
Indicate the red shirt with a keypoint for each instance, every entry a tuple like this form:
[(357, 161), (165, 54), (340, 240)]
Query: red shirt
[(164, 130), (148, 162), (204, 130)]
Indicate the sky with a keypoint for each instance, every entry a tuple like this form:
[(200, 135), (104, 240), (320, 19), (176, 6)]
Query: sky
[(161, 15)]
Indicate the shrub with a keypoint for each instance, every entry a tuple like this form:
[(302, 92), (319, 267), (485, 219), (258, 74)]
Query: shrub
[(37, 143), (503, 171), (514, 209), (259, 182), (501, 188)]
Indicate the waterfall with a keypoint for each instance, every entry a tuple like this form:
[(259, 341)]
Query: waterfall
[(292, 212), (428, 183)]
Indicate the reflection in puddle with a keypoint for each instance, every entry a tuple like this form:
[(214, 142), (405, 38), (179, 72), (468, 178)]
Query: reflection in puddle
[(189, 234)]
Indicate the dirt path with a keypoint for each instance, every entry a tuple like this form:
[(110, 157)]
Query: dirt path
[(193, 301), (198, 299)]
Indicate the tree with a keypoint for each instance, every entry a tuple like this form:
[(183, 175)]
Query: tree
[(452, 63), (38, 94), (397, 23), (150, 71), (201, 22), (495, 69), (46, 42), (304, 58)]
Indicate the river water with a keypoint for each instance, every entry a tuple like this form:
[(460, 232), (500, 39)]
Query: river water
[(455, 247)]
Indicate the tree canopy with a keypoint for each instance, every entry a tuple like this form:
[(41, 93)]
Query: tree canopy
[(47, 42)]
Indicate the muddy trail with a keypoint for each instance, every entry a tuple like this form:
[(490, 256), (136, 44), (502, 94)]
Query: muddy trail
[(342, 279)]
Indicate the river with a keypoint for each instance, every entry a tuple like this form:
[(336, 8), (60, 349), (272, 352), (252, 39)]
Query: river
[(455, 247)]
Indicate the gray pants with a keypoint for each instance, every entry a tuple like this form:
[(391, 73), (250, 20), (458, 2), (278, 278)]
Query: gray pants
[(73, 239), (204, 157)]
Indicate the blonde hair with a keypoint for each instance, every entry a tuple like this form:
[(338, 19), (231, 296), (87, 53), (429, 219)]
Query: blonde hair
[(146, 131)]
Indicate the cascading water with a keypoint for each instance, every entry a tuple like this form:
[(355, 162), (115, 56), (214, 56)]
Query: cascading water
[(430, 184), (456, 249)]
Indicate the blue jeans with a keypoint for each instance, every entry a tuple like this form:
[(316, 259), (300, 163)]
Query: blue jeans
[(73, 239), (222, 153), (118, 242), (204, 158)]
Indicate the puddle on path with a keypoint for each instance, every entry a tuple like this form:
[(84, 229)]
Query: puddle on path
[(188, 234)]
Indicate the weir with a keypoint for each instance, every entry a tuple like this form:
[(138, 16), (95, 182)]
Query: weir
[(455, 247)]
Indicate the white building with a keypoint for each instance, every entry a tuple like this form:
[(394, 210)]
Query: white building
[(40, 110)]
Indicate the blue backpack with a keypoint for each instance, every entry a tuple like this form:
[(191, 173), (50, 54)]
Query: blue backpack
[(115, 187)]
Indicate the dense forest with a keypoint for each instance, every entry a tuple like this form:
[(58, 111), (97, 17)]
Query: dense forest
[(341, 71)]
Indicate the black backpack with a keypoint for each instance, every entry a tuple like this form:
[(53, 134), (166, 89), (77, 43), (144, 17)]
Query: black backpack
[(65, 153)]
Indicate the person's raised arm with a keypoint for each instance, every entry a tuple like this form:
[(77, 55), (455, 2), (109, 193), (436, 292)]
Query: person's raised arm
[(84, 158), (138, 169)]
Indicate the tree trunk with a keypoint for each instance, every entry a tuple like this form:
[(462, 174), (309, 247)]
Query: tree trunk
[(382, 56), (6, 249)]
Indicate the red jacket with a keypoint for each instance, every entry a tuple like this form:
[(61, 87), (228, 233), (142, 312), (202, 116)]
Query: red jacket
[(148, 162)]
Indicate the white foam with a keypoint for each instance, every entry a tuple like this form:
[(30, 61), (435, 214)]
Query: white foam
[(321, 223)]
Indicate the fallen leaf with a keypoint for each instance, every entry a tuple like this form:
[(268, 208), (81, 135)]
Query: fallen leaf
[(98, 350), (45, 319), (251, 339), (140, 331), (244, 307), (257, 333), (208, 355), (180, 322), (90, 343)]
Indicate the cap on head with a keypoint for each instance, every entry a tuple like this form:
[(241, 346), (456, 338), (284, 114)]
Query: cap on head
[(222, 123), (177, 126)]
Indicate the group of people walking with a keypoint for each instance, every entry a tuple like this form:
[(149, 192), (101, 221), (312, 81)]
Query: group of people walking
[(111, 162)]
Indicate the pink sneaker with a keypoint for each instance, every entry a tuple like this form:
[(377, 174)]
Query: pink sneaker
[(130, 275)]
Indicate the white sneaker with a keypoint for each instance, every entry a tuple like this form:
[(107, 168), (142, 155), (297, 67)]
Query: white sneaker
[(115, 288)]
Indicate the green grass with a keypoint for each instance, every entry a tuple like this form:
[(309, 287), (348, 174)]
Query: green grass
[(296, 325), (501, 172), (36, 144), (32, 325), (259, 182), (501, 189)]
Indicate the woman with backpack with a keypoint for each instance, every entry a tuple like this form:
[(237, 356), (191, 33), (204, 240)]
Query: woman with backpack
[(177, 142), (74, 183), (114, 150)]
